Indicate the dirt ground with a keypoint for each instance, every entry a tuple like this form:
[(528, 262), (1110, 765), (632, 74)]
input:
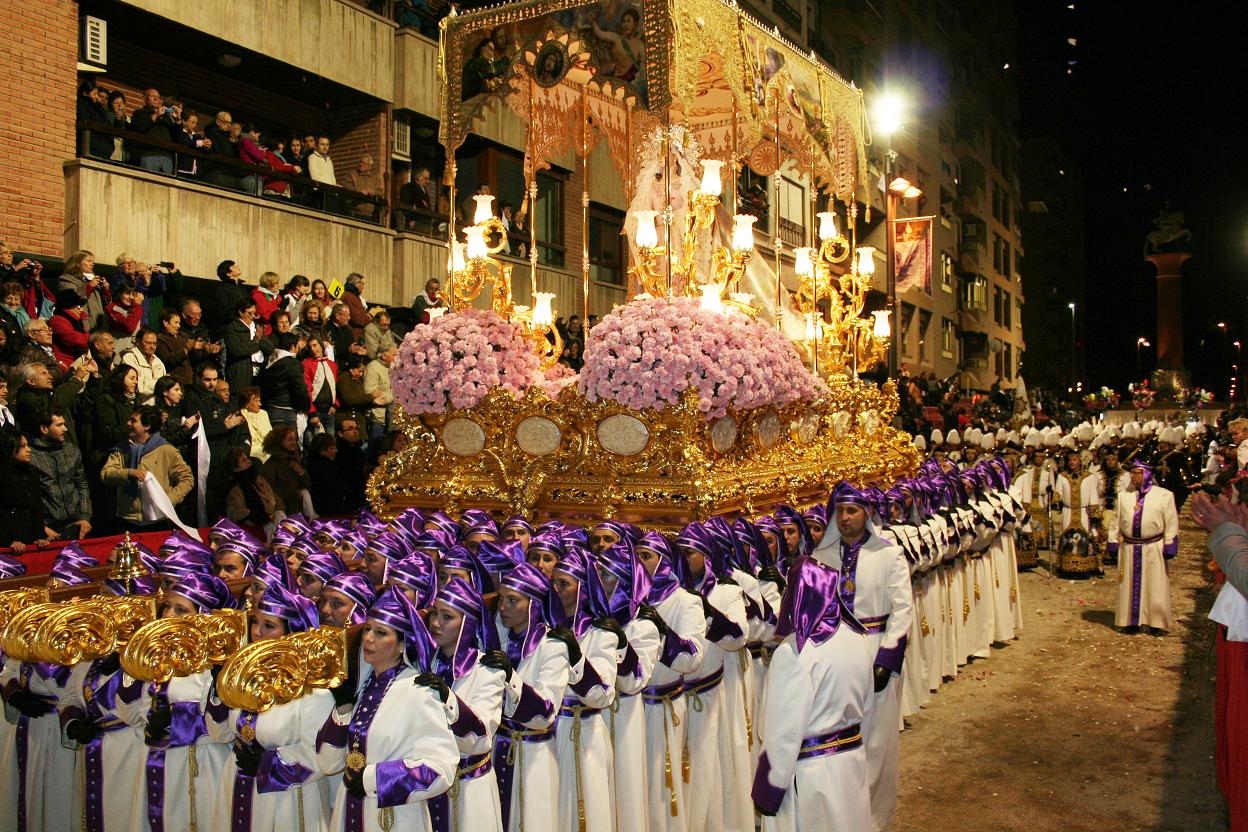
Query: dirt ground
[(1075, 726)]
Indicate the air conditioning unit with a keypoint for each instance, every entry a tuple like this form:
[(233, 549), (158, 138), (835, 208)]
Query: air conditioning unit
[(402, 138), (93, 45)]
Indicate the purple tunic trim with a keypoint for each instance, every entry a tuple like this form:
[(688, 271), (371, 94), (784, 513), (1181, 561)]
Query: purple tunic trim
[(468, 723), (532, 705), (589, 680), (722, 627), (396, 781), (1137, 561), (767, 798), (274, 775), (674, 647), (892, 657)]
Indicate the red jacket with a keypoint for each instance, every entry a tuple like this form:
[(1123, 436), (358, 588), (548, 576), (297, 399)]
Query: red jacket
[(124, 321), (265, 308), (69, 335), (309, 375), (272, 184)]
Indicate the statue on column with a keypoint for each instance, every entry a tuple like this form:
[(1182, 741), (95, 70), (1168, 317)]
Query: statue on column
[(1167, 247)]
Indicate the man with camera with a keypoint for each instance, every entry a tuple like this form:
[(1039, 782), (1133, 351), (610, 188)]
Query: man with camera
[(431, 298), (161, 121)]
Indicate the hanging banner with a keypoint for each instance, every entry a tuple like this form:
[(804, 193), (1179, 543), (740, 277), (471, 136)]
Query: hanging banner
[(912, 253)]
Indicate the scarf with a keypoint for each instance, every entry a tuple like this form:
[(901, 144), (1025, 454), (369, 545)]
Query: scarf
[(133, 455), (321, 377)]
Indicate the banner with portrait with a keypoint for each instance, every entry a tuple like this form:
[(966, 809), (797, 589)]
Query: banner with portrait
[(912, 254)]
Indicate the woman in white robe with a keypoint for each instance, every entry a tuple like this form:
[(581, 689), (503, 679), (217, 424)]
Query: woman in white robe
[(1148, 536), (583, 736), (812, 772), (678, 616), (469, 662), (393, 744), (524, 755), (271, 783)]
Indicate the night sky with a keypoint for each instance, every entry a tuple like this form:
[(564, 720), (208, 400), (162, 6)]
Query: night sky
[(1149, 107)]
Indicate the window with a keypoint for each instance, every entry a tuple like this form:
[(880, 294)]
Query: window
[(907, 319), (946, 271), (1005, 362), (606, 262), (754, 198), (792, 212), (974, 293), (1018, 264), (548, 219), (948, 336), (1018, 316), (996, 252), (1002, 307), (925, 320)]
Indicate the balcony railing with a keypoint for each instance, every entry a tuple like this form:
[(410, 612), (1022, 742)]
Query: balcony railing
[(792, 234), (225, 172)]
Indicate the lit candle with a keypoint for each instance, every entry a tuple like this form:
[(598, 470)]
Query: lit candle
[(882, 329), (712, 297), (647, 235), (743, 232), (543, 315), (711, 182), (827, 225), (485, 208), (811, 327), (476, 249), (435, 312), (457, 256), (802, 263), (866, 260)]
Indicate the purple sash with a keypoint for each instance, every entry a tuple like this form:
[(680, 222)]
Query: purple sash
[(843, 739)]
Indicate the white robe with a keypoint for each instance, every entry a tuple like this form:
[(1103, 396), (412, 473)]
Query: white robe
[(288, 735), (825, 688), (51, 767), (628, 727), (587, 750), (882, 588), (480, 693), (410, 727), (1143, 580), (666, 720), (536, 688)]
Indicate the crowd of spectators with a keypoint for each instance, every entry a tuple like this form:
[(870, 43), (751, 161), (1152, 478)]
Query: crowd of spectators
[(239, 400), (295, 168)]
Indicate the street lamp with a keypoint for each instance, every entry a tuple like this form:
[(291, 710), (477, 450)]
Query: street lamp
[(888, 114), (1071, 307), (1140, 343)]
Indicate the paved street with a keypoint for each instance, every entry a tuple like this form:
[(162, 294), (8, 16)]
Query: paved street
[(1075, 726)]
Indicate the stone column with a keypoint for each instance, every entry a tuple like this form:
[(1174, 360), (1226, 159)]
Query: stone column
[(1170, 373)]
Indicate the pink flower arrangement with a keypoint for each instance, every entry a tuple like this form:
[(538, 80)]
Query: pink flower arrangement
[(458, 358), (645, 354)]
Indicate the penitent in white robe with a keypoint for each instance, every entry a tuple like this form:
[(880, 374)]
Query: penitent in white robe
[(586, 748), (532, 703), (824, 688), (290, 791), (1143, 581), (409, 733), (681, 654), (51, 768), (477, 710), (628, 724)]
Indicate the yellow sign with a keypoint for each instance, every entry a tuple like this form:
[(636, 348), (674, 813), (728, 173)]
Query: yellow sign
[(336, 289)]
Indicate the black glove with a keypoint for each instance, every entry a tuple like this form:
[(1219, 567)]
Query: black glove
[(772, 575), (569, 640), (707, 609), (353, 781), (110, 665), (497, 660), (247, 755), (882, 675), (82, 731), (610, 625), (159, 719), (344, 694), (29, 704), (649, 613), (436, 682)]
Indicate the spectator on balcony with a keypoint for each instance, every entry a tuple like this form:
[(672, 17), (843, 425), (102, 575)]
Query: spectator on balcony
[(250, 500), (377, 385), (273, 186), (178, 420), (35, 296), (189, 137), (142, 357), (218, 136), (69, 327), (90, 110), (420, 193), (280, 322), (267, 299), (353, 297), (320, 165), (38, 349), (284, 468), (366, 179), (172, 346), (79, 275), (199, 342), (258, 424), (150, 284), (282, 388), (21, 504), (250, 151), (39, 392), (311, 324), (6, 415), (320, 293), (431, 298), (295, 295), (230, 292), (102, 349), (127, 266), (480, 73), (320, 374), (353, 401), (62, 477), (330, 491), (13, 316), (294, 152), (309, 146), (145, 451), (341, 336), (243, 356), (117, 118), (125, 316), (378, 335), (159, 120)]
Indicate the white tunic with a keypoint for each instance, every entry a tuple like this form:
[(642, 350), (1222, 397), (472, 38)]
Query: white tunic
[(290, 791), (1143, 582), (51, 768), (583, 743), (628, 725), (477, 709), (825, 688), (410, 729)]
